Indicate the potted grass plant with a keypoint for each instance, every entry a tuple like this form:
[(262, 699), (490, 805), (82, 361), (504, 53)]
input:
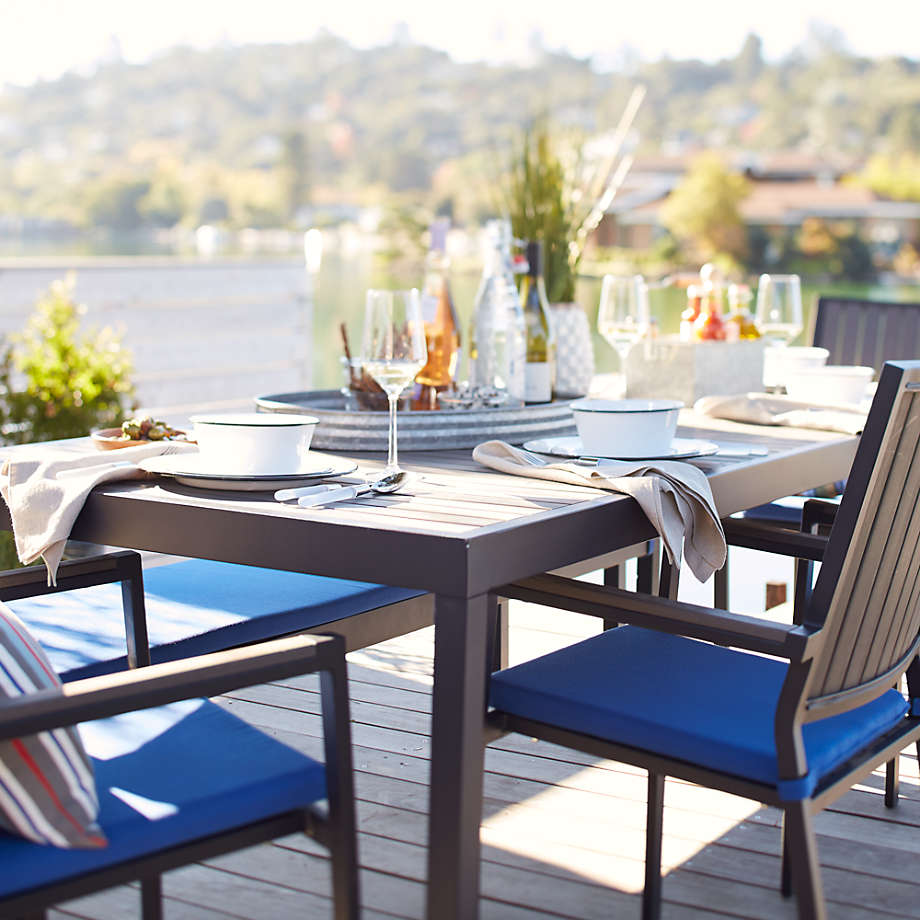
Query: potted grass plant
[(553, 193)]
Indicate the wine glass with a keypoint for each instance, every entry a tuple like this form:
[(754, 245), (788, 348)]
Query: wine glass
[(623, 317), (779, 319), (779, 307), (394, 349)]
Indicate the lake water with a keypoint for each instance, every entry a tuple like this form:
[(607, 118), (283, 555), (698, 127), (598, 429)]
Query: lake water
[(228, 329)]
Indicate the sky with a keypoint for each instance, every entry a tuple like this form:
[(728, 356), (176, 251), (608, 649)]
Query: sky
[(41, 39)]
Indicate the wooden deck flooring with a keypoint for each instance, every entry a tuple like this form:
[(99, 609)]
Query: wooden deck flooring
[(563, 834)]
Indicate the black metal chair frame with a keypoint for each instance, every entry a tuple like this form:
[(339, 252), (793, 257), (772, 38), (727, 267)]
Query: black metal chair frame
[(826, 636), (208, 675)]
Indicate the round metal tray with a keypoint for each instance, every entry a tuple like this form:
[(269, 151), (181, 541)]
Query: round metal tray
[(340, 428)]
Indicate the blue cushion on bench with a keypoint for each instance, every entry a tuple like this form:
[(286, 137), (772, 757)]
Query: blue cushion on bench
[(679, 697), (193, 607), (167, 776)]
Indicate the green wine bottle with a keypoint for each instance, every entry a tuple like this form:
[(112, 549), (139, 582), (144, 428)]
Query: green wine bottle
[(540, 369)]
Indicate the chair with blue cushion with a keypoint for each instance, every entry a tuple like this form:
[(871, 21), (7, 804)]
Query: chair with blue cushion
[(854, 331), (193, 607), (181, 780), (687, 691)]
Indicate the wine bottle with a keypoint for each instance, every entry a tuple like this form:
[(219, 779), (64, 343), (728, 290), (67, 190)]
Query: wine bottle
[(442, 331), (540, 368), (498, 342)]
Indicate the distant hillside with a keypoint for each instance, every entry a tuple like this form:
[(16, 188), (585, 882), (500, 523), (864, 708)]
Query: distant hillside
[(252, 134)]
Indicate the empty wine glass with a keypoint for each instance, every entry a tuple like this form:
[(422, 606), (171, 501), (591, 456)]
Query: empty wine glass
[(623, 316), (394, 349), (779, 308)]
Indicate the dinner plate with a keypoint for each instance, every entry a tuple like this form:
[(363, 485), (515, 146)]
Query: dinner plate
[(191, 469), (681, 449)]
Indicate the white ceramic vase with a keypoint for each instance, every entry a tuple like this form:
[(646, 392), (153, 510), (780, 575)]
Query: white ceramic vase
[(574, 350)]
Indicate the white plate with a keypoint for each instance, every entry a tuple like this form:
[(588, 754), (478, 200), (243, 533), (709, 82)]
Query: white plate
[(193, 470), (681, 449)]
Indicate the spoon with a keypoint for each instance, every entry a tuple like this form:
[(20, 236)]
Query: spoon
[(391, 482)]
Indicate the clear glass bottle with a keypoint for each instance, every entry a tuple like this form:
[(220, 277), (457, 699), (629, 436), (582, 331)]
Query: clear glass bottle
[(442, 331), (540, 367), (498, 341)]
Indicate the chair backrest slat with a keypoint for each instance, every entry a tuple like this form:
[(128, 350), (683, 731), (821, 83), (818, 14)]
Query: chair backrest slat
[(869, 583), (866, 331), (901, 598)]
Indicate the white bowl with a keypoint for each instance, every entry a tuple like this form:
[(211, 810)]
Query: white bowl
[(830, 385), (780, 361), (626, 427), (255, 443)]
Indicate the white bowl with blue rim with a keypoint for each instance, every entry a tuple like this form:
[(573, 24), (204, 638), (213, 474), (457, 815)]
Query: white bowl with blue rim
[(626, 427), (255, 443)]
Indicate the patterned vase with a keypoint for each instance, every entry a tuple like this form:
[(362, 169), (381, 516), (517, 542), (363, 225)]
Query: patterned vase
[(574, 350)]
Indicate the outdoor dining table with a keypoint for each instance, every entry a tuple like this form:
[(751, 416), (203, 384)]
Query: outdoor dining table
[(459, 531)]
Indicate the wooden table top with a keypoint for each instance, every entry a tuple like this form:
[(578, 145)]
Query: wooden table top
[(457, 528)]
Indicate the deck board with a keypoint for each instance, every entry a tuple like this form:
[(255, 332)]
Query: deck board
[(562, 833)]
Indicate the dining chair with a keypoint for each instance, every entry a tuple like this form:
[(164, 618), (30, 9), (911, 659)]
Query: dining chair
[(854, 331), (791, 715), (180, 780), (89, 625)]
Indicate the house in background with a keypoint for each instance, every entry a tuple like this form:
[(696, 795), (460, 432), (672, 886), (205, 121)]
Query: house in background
[(785, 190)]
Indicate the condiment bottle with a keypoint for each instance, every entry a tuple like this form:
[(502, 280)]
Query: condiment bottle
[(689, 317), (739, 299), (442, 331), (710, 327)]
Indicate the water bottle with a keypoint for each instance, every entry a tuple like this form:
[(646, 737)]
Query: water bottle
[(498, 340)]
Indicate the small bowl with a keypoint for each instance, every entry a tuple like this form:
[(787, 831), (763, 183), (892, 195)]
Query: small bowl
[(626, 427), (780, 361), (255, 443), (830, 385)]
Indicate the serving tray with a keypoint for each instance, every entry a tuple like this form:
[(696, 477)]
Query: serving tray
[(341, 428)]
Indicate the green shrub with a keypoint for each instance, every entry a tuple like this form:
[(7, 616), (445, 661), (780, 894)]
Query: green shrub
[(57, 383)]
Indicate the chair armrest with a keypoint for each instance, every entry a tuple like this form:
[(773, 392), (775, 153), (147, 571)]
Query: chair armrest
[(771, 539), (816, 512), (664, 615), (123, 566), (156, 685), (32, 581)]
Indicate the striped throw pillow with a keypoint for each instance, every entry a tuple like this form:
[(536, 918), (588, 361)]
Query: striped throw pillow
[(47, 787)]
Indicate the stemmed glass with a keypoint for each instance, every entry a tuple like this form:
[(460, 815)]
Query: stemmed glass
[(779, 307), (394, 349), (623, 317), (779, 319)]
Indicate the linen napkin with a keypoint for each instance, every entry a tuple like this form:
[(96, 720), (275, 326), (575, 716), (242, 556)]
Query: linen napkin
[(770, 409), (675, 497), (43, 507)]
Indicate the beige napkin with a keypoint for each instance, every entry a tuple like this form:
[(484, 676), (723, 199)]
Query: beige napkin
[(675, 497), (770, 409), (43, 508)]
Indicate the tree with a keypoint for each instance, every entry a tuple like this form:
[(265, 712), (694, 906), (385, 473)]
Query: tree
[(703, 212), (896, 177)]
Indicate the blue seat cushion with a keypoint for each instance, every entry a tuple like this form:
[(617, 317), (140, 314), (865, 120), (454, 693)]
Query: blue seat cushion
[(193, 607), (167, 776), (787, 511), (701, 703)]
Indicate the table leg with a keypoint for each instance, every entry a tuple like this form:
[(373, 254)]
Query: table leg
[(455, 798)]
